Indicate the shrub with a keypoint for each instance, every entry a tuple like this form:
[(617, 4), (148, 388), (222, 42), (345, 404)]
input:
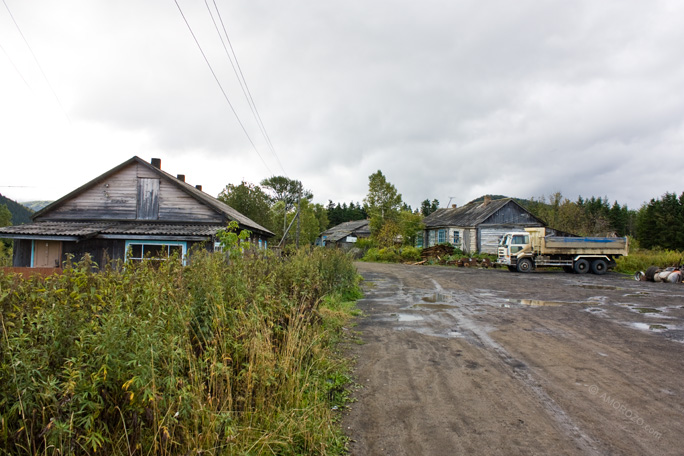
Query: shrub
[(231, 357)]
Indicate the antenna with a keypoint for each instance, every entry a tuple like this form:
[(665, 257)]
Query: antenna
[(449, 203)]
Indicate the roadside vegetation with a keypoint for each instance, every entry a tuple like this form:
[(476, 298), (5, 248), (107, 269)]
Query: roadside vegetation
[(218, 357)]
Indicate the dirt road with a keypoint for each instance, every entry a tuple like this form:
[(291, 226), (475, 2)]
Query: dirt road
[(457, 361)]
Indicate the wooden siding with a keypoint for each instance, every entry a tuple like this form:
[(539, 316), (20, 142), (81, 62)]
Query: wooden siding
[(511, 214), (115, 198), (101, 251), (147, 202), (176, 205)]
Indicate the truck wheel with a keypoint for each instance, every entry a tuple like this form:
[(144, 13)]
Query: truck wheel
[(581, 266), (599, 267), (525, 265)]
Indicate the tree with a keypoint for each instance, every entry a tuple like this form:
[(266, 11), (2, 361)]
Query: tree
[(5, 216), (427, 207), (249, 200), (382, 202), (410, 224), (5, 245), (286, 190)]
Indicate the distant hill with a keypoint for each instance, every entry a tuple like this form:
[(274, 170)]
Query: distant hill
[(20, 213), (35, 206)]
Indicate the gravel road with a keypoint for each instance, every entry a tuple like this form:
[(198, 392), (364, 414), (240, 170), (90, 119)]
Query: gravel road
[(458, 361)]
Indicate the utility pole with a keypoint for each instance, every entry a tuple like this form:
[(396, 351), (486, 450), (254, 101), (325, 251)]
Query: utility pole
[(299, 224)]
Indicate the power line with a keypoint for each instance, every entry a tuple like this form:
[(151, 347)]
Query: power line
[(37, 63), (241, 79), (221, 87), (16, 68)]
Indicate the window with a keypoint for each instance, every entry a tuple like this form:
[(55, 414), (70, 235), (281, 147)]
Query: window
[(457, 238), (520, 239), (441, 236), (419, 241), (154, 250)]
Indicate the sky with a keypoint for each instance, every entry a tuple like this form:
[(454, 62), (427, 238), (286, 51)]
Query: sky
[(451, 100)]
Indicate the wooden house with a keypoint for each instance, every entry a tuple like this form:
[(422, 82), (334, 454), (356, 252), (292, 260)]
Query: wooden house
[(134, 210), (345, 234), (477, 226)]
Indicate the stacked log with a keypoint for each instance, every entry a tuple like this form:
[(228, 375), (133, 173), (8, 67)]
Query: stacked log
[(437, 251)]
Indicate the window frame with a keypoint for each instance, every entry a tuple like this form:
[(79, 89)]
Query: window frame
[(130, 243)]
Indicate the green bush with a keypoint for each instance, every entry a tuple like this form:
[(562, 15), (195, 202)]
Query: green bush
[(409, 253), (217, 357), (642, 259)]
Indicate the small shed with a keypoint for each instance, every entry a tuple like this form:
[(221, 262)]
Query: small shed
[(345, 234), (477, 226), (132, 211)]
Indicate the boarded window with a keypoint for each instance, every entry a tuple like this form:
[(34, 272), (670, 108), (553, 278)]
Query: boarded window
[(148, 199)]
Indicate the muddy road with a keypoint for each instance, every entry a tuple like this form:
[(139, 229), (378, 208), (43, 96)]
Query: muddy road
[(457, 361)]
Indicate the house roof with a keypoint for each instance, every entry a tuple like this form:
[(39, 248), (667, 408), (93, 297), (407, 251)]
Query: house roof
[(84, 230), (200, 196), (470, 215), (357, 227)]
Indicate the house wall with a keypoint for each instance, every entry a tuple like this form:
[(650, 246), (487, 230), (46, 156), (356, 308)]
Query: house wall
[(115, 198)]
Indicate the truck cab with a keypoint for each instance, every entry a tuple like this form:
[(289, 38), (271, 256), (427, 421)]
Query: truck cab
[(510, 245)]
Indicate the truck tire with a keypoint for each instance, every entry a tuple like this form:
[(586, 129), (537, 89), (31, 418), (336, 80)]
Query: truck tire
[(581, 266), (525, 265), (599, 267)]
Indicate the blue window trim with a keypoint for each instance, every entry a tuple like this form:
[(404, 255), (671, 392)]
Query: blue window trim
[(183, 244), (33, 251)]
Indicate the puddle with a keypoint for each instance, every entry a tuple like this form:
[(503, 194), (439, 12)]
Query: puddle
[(437, 297), (644, 310), (434, 306), (407, 317), (540, 303), (649, 327)]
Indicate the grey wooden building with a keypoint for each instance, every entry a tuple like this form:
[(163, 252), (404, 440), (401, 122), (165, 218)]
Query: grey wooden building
[(345, 234), (134, 209), (477, 226)]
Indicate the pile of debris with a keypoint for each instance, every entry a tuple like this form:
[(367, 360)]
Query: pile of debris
[(438, 251), (441, 254), (656, 274)]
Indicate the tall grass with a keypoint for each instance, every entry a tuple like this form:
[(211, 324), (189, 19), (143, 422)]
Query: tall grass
[(217, 357), (642, 259)]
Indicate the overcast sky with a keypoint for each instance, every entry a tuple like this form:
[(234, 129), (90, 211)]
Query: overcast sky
[(450, 99)]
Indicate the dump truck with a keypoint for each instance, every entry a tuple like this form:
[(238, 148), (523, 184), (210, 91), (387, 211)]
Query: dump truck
[(524, 251)]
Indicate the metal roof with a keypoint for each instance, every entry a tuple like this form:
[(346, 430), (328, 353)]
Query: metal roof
[(358, 227), (93, 229), (470, 215)]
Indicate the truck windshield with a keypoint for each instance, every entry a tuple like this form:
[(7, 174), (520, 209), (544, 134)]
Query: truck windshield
[(504, 240), (520, 239)]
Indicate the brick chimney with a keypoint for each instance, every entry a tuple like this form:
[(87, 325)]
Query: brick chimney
[(198, 187), (156, 162), (487, 200), (181, 177)]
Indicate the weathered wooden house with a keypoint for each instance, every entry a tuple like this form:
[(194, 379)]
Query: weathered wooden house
[(477, 226), (345, 234), (134, 210)]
